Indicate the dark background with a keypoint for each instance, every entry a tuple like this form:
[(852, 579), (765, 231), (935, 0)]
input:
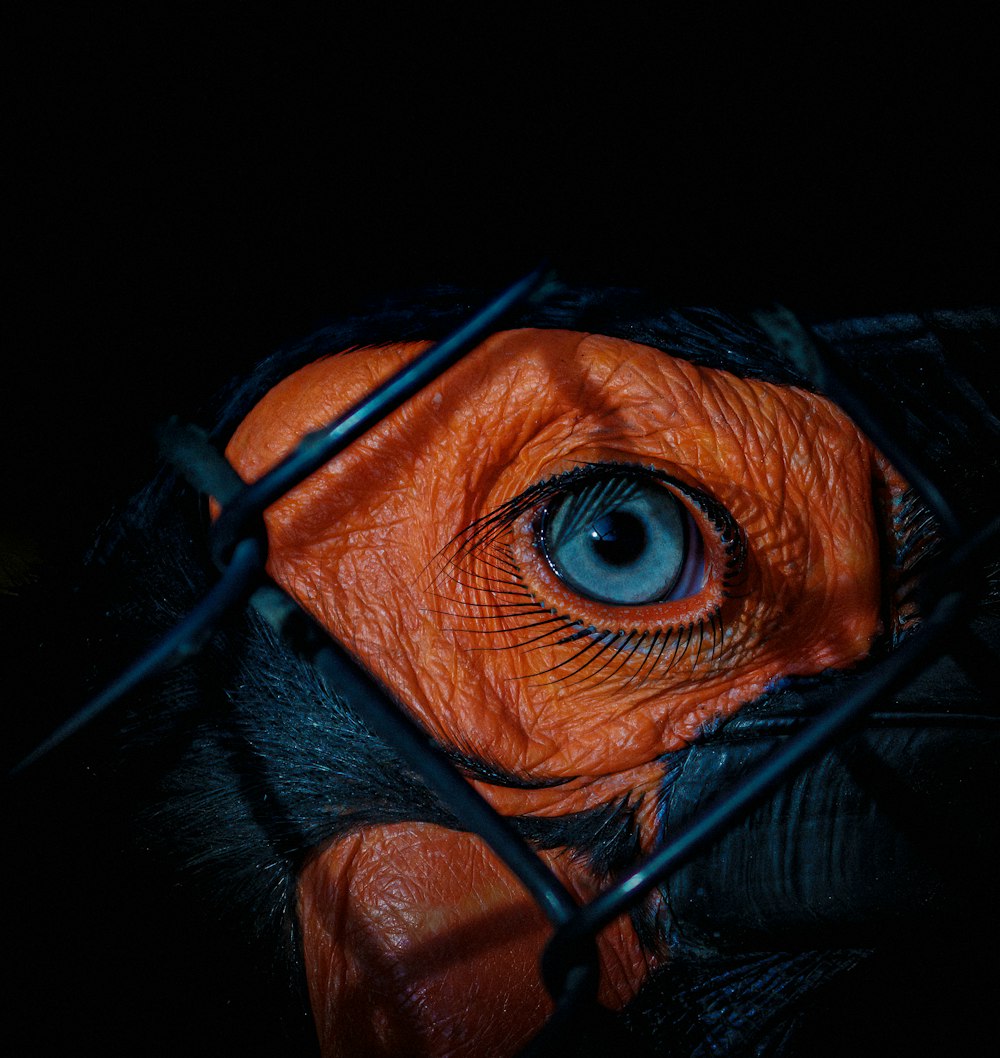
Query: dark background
[(191, 191)]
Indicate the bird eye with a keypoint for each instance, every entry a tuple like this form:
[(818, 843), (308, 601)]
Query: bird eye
[(622, 537)]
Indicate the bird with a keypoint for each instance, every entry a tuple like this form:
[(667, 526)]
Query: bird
[(606, 562)]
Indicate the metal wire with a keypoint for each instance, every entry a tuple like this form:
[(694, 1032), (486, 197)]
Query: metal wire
[(318, 448), (919, 651), (385, 717), (734, 804), (189, 449), (239, 548), (833, 377), (179, 644)]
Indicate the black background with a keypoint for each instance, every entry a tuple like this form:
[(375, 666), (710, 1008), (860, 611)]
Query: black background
[(190, 191)]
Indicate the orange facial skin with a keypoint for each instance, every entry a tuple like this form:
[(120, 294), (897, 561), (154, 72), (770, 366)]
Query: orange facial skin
[(420, 942), (378, 546)]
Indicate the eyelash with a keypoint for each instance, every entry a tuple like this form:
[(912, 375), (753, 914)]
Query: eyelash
[(485, 544)]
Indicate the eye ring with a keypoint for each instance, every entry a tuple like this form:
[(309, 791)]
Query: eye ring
[(507, 594)]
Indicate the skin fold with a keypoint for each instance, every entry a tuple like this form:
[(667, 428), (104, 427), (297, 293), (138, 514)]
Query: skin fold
[(417, 941)]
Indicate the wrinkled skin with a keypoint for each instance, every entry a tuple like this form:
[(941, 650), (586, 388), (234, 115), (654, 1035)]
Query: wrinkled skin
[(417, 940)]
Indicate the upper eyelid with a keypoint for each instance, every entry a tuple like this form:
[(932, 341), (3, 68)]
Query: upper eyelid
[(552, 486), (508, 511)]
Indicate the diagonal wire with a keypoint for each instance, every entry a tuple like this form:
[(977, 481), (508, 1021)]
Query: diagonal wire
[(238, 527), (179, 644), (563, 953), (322, 445), (723, 812)]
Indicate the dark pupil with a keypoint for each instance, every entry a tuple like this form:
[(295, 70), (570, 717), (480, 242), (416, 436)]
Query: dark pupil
[(618, 538)]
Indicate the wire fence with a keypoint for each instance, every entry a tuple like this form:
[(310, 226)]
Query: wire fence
[(570, 969)]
